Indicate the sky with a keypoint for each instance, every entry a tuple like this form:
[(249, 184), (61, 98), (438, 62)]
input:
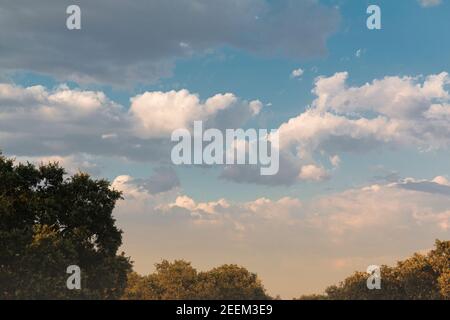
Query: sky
[(363, 118)]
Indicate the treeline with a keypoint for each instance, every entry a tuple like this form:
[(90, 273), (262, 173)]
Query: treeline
[(421, 277), (179, 280), (49, 221)]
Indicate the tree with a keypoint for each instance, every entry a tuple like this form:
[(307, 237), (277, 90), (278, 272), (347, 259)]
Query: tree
[(179, 280), (170, 281), (230, 282), (440, 260), (139, 288), (174, 281), (420, 277), (49, 221)]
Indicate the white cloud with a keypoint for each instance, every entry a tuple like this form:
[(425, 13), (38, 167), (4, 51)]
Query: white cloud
[(396, 112), (438, 112), (394, 97), (158, 114), (441, 180), (312, 172), (312, 134), (201, 208), (132, 191), (388, 207), (35, 121), (430, 3), (297, 73), (223, 211)]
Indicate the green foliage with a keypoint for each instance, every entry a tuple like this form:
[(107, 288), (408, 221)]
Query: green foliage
[(179, 280), (175, 280), (48, 222), (229, 282), (421, 277)]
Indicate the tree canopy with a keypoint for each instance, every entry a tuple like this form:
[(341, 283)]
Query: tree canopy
[(179, 280), (50, 221), (420, 277)]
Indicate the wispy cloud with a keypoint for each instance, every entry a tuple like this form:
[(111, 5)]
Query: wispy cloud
[(429, 3)]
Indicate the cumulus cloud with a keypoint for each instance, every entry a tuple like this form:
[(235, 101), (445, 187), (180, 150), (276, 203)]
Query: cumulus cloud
[(392, 207), (261, 208), (35, 121), (396, 112), (157, 114), (394, 97), (403, 111), (441, 180), (313, 173), (235, 217), (212, 207), (438, 112), (153, 34)]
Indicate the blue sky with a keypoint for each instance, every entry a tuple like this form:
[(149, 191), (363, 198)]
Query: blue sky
[(253, 58)]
